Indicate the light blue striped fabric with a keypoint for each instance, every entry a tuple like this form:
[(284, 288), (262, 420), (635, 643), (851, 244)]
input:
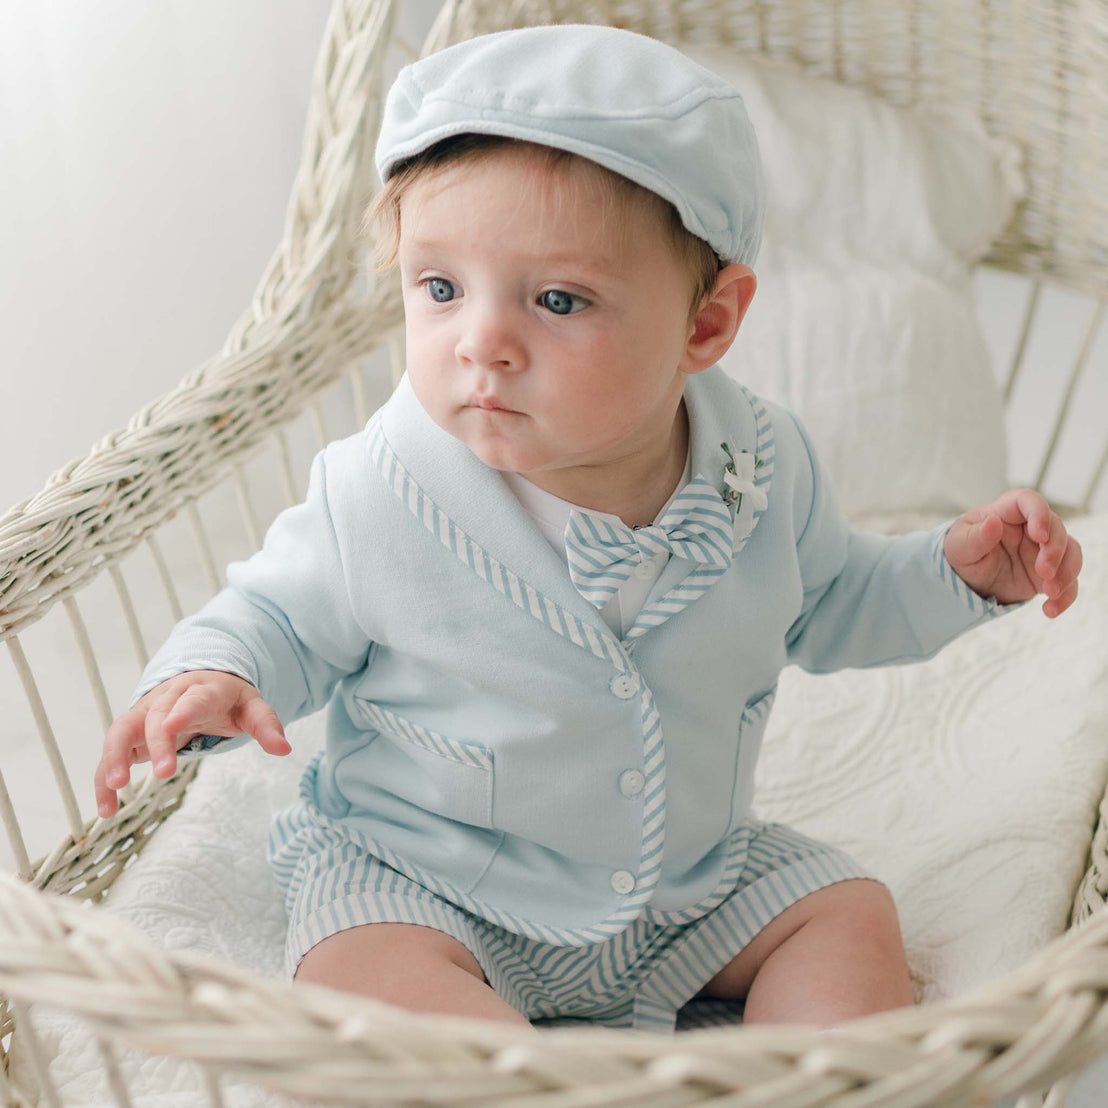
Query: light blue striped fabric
[(468, 754), (639, 979), (602, 553)]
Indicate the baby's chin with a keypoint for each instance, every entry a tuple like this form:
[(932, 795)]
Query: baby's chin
[(526, 463), (489, 444), (498, 454), (507, 444)]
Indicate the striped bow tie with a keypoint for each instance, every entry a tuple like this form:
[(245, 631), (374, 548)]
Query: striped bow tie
[(602, 555)]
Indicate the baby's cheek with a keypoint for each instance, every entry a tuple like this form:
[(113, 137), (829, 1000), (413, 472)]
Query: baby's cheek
[(583, 410)]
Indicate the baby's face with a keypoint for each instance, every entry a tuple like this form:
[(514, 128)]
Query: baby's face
[(546, 324)]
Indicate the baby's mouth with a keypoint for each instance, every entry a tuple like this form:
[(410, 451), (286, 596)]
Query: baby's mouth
[(489, 404)]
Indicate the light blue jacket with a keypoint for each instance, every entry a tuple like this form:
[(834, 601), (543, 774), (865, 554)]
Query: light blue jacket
[(486, 733)]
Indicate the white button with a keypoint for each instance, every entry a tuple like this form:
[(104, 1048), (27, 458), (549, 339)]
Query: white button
[(623, 882), (645, 569), (631, 782), (625, 685)]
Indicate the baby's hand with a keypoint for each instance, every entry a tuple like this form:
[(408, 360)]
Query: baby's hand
[(201, 702), (1014, 548)]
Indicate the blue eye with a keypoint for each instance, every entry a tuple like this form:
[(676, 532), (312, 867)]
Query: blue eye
[(561, 302), (441, 290)]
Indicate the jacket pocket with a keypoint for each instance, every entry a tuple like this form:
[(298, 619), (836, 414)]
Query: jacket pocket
[(444, 776), (752, 729)]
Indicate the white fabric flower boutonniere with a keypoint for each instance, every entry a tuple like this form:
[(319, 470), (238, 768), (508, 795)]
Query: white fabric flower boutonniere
[(738, 476)]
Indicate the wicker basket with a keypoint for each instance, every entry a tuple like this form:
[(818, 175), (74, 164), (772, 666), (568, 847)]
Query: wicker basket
[(1038, 73)]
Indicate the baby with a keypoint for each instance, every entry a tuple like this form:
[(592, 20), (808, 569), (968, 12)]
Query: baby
[(546, 593)]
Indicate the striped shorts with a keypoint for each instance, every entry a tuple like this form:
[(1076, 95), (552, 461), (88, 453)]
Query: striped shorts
[(639, 979)]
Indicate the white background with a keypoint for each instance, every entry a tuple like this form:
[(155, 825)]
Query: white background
[(147, 153)]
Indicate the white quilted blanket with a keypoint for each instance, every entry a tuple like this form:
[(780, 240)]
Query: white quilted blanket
[(968, 783)]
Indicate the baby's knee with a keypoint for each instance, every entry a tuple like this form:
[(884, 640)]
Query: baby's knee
[(408, 966), (864, 912), (385, 960)]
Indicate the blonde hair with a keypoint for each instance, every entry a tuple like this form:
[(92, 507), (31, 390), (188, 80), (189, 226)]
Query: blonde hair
[(381, 221)]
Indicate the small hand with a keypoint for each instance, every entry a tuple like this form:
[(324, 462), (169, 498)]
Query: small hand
[(169, 715), (1015, 548)]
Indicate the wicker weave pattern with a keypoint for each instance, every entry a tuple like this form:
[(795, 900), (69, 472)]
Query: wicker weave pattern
[(310, 1041), (1038, 73), (302, 329)]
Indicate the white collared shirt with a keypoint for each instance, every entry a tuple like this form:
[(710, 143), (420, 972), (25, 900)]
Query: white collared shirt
[(551, 514)]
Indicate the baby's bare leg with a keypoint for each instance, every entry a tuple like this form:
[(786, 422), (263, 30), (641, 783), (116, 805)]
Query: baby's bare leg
[(832, 956), (408, 965)]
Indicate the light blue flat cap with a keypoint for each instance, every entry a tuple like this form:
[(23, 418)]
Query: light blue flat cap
[(631, 103)]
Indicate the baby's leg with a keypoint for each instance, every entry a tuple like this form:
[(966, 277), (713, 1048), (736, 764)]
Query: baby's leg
[(408, 965), (833, 955)]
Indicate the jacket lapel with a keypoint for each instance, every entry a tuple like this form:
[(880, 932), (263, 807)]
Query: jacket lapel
[(472, 511), (714, 418), (475, 515)]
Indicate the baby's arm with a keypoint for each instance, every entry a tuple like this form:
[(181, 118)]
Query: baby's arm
[(1015, 548), (167, 717), (872, 599), (278, 639)]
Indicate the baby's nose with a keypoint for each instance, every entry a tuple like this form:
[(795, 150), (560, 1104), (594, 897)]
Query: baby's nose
[(489, 341)]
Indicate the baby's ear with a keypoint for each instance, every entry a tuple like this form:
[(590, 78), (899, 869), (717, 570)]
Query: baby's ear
[(715, 323)]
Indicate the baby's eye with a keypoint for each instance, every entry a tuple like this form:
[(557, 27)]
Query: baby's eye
[(561, 302), (441, 289)]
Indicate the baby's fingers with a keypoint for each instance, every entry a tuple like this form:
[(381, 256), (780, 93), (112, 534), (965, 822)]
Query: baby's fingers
[(973, 538), (1041, 523), (161, 739), (106, 799), (1056, 605), (119, 753), (1061, 587), (204, 708), (260, 721)]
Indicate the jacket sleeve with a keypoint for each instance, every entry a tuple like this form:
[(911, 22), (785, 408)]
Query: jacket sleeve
[(284, 622), (869, 599)]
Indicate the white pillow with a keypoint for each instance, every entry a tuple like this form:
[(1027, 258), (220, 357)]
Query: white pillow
[(864, 320)]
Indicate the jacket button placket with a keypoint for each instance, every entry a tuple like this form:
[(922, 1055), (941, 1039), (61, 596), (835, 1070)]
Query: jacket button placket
[(627, 686)]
